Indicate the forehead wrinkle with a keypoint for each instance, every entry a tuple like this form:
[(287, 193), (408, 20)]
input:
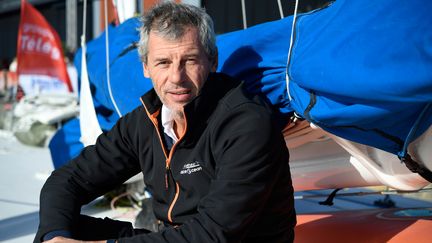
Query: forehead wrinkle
[(173, 47), (166, 52)]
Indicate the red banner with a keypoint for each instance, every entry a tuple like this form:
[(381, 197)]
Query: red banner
[(39, 52)]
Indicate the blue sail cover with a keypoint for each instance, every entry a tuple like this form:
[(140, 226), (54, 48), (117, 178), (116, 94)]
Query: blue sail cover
[(361, 70), (368, 65)]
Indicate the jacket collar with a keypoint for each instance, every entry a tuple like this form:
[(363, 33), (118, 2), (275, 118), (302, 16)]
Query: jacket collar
[(151, 101)]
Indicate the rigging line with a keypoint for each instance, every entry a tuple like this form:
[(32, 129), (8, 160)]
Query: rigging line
[(244, 14), (280, 9), (364, 193), (414, 129), (107, 61), (84, 23), (290, 48)]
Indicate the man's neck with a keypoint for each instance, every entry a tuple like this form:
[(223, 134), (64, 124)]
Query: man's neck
[(174, 123), (179, 126)]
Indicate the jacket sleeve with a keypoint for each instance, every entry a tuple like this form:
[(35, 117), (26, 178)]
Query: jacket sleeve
[(249, 154), (98, 169)]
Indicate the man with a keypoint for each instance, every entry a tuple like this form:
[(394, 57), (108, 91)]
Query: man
[(212, 159)]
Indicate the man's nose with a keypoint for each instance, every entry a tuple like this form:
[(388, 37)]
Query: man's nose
[(177, 73)]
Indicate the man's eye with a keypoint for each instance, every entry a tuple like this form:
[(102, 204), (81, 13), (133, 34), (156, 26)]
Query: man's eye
[(191, 61), (162, 64)]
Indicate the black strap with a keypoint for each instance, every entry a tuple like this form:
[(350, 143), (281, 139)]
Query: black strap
[(415, 167)]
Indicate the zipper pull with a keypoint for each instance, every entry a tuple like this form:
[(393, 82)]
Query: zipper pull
[(166, 177)]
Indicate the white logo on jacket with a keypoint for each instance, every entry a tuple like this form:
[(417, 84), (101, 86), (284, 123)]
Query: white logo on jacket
[(191, 168)]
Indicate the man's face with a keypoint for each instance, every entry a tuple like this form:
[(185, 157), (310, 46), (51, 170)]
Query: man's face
[(177, 68)]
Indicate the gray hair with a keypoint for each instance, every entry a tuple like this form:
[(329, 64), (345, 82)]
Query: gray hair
[(170, 20)]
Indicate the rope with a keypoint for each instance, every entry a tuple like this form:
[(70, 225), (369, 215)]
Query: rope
[(83, 39), (414, 129), (244, 14), (362, 193), (129, 197), (290, 48), (415, 166), (280, 9), (107, 61)]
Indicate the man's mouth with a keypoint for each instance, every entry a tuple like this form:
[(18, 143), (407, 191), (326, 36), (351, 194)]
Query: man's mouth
[(181, 92), (180, 95)]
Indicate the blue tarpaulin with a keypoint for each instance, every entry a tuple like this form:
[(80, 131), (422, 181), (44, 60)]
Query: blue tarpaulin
[(367, 66), (361, 70)]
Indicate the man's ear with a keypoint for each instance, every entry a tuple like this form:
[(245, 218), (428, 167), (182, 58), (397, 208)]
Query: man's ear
[(215, 62), (146, 71)]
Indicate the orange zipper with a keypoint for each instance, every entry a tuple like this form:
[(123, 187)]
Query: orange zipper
[(173, 202), (153, 118)]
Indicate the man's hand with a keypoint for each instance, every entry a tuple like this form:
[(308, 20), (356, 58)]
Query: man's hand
[(60, 239)]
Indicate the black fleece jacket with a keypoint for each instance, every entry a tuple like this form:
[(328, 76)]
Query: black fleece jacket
[(226, 180)]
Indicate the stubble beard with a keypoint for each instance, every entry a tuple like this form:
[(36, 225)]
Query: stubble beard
[(178, 114)]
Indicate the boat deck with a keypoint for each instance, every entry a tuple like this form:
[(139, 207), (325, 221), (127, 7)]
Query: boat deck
[(24, 170)]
